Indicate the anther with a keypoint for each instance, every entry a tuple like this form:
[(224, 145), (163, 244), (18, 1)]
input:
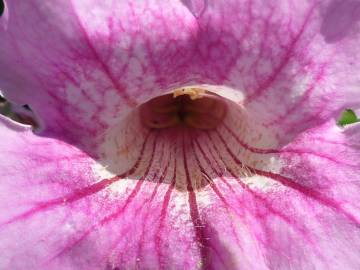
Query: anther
[(193, 93)]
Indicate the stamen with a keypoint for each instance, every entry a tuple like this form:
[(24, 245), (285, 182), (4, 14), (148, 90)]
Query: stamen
[(193, 93)]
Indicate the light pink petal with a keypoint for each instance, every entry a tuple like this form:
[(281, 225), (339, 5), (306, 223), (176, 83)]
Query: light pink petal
[(262, 191), (82, 65), (186, 201)]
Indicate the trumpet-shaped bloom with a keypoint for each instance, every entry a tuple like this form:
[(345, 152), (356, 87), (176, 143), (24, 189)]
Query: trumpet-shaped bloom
[(186, 134)]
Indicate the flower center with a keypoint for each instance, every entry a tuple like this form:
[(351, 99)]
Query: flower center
[(189, 138), (190, 107)]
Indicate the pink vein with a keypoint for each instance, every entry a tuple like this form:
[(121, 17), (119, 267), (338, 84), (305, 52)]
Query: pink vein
[(328, 202), (81, 193)]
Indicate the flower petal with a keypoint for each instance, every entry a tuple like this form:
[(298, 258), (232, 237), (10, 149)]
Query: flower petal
[(304, 217), (87, 63), (187, 202)]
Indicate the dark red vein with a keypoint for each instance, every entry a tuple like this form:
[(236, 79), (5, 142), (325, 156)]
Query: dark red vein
[(285, 150), (160, 180), (305, 97), (200, 235), (285, 60), (218, 193), (255, 195), (119, 211), (80, 193), (163, 214), (246, 146), (126, 97), (291, 183)]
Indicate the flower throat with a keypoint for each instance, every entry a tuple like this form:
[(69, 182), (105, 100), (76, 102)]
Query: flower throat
[(188, 107)]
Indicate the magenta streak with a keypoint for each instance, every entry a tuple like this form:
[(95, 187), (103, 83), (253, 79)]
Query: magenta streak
[(64, 103), (201, 240), (105, 68), (248, 147), (255, 195), (208, 179), (119, 211), (151, 180), (242, 184), (81, 193), (319, 76), (288, 182), (320, 155), (264, 41), (284, 150), (313, 119), (341, 143), (217, 192), (163, 214), (328, 202), (161, 178), (217, 164), (65, 74), (262, 88), (245, 187), (43, 161)]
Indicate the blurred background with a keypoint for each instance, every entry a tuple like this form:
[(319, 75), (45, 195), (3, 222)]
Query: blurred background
[(21, 114)]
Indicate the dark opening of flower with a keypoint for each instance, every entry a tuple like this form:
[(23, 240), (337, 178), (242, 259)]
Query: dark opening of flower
[(188, 107)]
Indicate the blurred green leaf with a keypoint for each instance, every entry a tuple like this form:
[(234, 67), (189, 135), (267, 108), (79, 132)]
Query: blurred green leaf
[(348, 117)]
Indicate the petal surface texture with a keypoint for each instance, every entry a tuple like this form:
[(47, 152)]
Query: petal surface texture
[(81, 65), (274, 186), (56, 214)]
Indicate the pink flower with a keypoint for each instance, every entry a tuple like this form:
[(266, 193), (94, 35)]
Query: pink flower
[(119, 176)]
